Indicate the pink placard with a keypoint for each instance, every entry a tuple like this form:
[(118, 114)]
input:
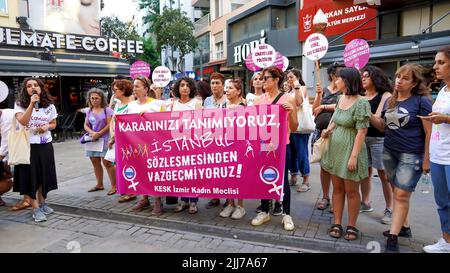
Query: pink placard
[(139, 68), (357, 54), (250, 64), (214, 153)]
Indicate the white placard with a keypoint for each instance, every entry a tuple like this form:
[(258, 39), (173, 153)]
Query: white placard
[(264, 55), (4, 91), (95, 146), (285, 63), (315, 46), (161, 76)]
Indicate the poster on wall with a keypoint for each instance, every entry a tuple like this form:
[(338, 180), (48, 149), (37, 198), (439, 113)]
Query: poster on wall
[(67, 16)]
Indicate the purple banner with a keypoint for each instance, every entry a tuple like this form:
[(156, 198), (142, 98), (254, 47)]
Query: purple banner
[(214, 153)]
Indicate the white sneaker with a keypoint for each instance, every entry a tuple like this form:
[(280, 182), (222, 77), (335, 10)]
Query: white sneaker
[(238, 213), (387, 217), (288, 223), (440, 247), (227, 211), (260, 219)]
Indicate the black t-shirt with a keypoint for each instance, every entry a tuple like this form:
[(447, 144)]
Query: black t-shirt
[(374, 103), (323, 119)]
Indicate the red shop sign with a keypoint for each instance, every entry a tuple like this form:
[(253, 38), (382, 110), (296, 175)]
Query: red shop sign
[(206, 71), (342, 17)]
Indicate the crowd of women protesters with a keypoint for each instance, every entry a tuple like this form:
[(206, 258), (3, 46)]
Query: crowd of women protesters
[(370, 121)]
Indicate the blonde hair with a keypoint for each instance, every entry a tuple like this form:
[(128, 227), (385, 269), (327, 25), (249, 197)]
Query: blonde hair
[(420, 88)]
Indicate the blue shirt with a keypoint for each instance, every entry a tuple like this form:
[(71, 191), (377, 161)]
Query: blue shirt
[(404, 131)]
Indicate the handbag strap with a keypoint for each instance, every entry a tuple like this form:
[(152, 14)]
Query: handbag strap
[(277, 98)]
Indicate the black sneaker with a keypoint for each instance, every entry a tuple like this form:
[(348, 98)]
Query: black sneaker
[(277, 210), (259, 208), (404, 232), (213, 203), (392, 244)]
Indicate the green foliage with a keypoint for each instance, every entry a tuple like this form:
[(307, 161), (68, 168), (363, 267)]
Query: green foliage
[(152, 6), (151, 55), (126, 31), (173, 29)]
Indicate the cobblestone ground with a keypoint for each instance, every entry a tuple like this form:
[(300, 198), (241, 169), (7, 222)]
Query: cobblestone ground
[(68, 233)]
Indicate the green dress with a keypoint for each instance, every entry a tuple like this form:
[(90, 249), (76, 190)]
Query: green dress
[(348, 122)]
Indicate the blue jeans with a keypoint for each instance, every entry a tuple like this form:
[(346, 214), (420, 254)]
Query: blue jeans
[(403, 170), (299, 154), (440, 175)]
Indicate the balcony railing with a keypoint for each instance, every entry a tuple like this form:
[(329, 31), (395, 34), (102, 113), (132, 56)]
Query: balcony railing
[(202, 23)]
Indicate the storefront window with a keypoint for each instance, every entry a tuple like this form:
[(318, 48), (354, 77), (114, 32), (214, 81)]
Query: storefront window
[(413, 21), (291, 17), (250, 26), (278, 19), (3, 7), (439, 10)]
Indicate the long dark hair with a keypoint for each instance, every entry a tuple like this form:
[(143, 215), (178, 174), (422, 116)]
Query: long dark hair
[(352, 80), (379, 78), (298, 75), (24, 99)]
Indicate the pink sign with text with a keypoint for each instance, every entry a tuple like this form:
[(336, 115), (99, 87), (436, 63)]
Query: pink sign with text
[(214, 153), (139, 68), (357, 54)]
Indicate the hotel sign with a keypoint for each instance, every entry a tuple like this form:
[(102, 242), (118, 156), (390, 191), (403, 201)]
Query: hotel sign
[(50, 40)]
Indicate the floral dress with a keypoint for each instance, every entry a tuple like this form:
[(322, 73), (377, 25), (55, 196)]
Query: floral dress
[(348, 122)]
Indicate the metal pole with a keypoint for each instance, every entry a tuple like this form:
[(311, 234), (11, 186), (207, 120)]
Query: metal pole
[(201, 63)]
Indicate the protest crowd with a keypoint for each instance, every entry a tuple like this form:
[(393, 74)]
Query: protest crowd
[(365, 121)]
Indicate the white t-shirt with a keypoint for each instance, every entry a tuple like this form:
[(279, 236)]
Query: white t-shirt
[(190, 105), (440, 135), (5, 126), (39, 118), (152, 105)]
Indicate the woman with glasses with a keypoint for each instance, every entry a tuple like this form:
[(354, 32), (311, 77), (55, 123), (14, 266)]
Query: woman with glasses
[(378, 91), (96, 124), (273, 80)]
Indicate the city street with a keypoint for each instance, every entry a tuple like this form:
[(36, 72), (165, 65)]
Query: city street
[(100, 224)]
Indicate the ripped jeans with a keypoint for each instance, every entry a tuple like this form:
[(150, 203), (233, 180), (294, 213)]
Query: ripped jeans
[(403, 170)]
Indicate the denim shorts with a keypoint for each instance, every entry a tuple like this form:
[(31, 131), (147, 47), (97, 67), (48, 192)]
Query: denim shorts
[(403, 170), (375, 146)]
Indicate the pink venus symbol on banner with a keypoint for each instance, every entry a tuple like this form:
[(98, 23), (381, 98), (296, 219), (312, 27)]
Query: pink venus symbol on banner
[(139, 68), (357, 54)]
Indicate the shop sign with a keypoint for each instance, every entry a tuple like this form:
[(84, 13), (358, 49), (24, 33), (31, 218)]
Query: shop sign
[(342, 17), (241, 51), (51, 40)]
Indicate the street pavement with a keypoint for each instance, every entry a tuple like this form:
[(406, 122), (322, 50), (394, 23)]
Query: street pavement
[(100, 224)]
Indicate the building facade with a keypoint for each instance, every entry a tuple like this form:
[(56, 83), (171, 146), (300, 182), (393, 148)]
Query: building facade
[(69, 63)]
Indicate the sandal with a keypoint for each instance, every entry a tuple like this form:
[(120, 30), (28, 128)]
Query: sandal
[(20, 206), (126, 198), (181, 207), (157, 209), (323, 204), (143, 203), (335, 231), (112, 191), (303, 188), (193, 208), (351, 233), (96, 189)]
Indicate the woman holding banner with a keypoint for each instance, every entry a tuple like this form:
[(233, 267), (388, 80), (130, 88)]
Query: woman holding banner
[(273, 80), (123, 92), (146, 102), (184, 92), (235, 98), (346, 159)]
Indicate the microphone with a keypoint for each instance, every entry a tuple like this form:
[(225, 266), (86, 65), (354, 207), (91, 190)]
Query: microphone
[(36, 105)]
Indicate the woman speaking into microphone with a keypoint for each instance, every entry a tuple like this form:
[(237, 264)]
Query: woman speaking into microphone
[(34, 111)]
